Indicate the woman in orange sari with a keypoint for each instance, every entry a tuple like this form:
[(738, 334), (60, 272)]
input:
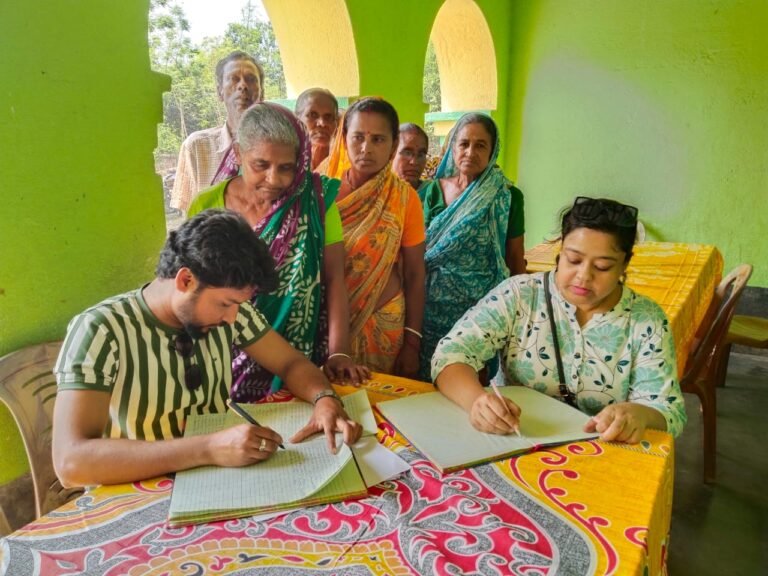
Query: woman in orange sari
[(383, 240)]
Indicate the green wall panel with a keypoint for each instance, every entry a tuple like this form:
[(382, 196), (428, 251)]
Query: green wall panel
[(660, 104), (82, 214), (391, 40), (498, 14)]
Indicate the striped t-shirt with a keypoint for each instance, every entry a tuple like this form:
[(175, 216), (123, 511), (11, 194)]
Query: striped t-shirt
[(120, 347)]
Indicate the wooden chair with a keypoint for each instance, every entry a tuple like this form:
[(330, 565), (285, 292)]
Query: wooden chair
[(5, 527), (749, 331), (28, 389), (705, 365)]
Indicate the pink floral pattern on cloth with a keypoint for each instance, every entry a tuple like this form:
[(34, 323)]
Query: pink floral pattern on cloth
[(533, 515)]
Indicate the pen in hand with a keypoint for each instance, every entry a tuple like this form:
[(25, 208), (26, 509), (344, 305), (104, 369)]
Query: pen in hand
[(245, 416), (496, 390)]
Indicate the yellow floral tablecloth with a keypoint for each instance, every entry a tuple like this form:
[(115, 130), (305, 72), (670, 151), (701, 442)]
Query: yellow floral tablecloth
[(580, 509), (681, 278)]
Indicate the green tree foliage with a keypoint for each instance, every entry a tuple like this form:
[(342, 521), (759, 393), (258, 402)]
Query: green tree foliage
[(431, 93), (193, 103), (258, 38), (431, 96), (169, 44)]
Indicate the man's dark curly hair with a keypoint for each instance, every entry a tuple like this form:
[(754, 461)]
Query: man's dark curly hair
[(222, 251)]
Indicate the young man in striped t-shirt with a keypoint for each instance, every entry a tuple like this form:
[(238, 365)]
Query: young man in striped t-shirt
[(133, 367)]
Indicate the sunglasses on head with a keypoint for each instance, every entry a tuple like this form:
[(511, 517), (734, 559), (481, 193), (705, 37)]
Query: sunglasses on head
[(185, 348), (604, 211)]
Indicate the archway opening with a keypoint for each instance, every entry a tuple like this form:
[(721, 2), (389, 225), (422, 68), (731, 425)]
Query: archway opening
[(317, 46), (462, 53)]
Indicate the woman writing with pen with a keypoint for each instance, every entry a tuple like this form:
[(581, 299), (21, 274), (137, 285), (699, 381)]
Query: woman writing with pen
[(579, 334)]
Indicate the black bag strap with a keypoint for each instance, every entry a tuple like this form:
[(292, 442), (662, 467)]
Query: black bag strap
[(565, 393)]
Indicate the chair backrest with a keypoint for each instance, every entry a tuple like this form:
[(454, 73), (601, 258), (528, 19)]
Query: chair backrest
[(721, 312), (5, 526), (28, 388)]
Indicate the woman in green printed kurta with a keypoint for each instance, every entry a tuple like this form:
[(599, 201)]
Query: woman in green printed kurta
[(618, 357)]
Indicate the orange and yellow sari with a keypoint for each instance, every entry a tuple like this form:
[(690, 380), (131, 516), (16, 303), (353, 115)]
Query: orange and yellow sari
[(373, 217)]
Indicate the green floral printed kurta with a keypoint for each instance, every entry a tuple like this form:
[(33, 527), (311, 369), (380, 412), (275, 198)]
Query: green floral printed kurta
[(625, 354)]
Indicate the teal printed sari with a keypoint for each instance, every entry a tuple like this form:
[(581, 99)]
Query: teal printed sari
[(464, 249)]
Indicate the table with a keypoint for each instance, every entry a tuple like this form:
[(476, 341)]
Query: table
[(583, 508), (681, 278)]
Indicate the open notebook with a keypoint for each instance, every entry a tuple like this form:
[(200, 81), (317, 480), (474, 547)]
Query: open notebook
[(441, 430), (304, 474)]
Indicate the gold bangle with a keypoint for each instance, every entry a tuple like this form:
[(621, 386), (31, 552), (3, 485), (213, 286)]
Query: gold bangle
[(335, 354)]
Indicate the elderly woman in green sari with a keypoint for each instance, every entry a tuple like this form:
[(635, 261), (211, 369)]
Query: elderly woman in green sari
[(475, 227), (294, 211)]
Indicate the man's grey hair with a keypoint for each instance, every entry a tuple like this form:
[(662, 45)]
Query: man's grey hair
[(262, 123), (303, 100), (234, 56)]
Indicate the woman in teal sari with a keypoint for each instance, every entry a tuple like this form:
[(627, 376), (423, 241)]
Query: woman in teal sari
[(294, 211), (475, 226)]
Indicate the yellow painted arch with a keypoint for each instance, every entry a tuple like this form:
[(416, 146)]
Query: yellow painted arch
[(466, 58), (316, 45)]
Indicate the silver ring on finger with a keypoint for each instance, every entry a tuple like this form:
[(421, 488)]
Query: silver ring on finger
[(263, 445)]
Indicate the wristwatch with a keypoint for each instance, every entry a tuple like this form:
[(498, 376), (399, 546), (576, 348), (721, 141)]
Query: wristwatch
[(324, 393)]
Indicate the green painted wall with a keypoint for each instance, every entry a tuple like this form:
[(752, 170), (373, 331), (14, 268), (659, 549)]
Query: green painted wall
[(82, 212), (391, 42), (498, 14), (661, 104)]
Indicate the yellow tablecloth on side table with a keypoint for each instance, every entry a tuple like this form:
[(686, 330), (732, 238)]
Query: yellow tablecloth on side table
[(681, 278)]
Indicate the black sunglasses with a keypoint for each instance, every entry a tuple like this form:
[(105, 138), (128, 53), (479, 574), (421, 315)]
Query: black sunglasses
[(193, 377), (605, 211)]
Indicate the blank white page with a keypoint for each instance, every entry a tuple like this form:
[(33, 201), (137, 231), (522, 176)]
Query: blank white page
[(441, 430)]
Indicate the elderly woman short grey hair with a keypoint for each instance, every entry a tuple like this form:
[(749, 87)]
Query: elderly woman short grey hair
[(263, 123), (295, 213)]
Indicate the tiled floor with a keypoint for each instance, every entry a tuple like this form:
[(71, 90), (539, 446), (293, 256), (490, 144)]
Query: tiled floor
[(723, 528)]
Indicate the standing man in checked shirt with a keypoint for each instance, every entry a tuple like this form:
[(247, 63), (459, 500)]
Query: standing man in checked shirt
[(206, 156)]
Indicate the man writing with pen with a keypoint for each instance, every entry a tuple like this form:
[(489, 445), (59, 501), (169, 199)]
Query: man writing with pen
[(133, 367)]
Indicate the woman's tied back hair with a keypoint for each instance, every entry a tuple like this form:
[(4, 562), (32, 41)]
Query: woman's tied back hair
[(374, 105), (484, 120)]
